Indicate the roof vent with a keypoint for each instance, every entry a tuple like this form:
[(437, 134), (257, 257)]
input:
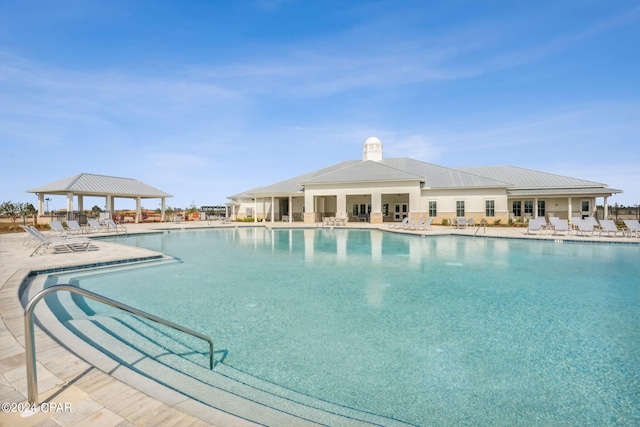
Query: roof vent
[(372, 149)]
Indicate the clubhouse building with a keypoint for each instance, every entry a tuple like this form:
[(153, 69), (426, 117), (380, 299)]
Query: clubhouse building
[(378, 190)]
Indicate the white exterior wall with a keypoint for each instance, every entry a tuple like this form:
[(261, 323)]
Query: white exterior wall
[(474, 202)]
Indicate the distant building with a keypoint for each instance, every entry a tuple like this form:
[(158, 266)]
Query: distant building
[(379, 190)]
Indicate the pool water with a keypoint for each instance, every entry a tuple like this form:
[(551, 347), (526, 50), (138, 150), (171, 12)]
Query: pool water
[(446, 330)]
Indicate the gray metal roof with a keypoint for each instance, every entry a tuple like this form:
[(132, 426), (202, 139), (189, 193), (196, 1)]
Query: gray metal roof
[(581, 191), (527, 178), (362, 172), (100, 185)]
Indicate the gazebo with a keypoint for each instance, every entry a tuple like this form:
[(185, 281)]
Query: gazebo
[(109, 187)]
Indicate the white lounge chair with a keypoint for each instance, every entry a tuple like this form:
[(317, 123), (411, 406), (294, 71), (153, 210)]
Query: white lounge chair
[(608, 226), (426, 225), (461, 222), (582, 226), (404, 222), (417, 224), (559, 225), (66, 244), (95, 225), (633, 227), (593, 221), (535, 225), (411, 223), (75, 228), (112, 226), (470, 222), (57, 227)]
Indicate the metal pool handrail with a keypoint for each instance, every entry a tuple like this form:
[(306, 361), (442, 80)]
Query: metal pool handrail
[(29, 337)]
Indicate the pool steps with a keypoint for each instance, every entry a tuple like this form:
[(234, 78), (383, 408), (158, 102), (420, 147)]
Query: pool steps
[(182, 364)]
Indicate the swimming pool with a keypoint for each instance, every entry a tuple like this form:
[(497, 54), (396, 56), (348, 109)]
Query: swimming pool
[(439, 330)]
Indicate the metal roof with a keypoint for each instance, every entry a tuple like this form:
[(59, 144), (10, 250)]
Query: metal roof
[(527, 178), (364, 171), (100, 185)]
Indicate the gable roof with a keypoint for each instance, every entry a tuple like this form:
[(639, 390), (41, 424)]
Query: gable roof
[(363, 171), (100, 185)]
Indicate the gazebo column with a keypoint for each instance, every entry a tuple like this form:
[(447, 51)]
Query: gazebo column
[(109, 204), (69, 204), (535, 207), (40, 203), (138, 210), (80, 203), (606, 208), (264, 209), (163, 206)]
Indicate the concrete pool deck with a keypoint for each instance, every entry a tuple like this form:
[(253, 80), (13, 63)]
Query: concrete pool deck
[(99, 398)]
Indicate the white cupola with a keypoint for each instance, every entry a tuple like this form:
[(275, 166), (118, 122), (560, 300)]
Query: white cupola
[(372, 149)]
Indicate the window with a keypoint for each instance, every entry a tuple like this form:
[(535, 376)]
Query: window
[(585, 206), (541, 208), (385, 209), (528, 208), (355, 209), (249, 212), (433, 208), (516, 208), (490, 208), (460, 208)]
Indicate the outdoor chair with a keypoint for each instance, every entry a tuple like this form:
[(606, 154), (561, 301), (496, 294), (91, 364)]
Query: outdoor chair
[(608, 226), (633, 227)]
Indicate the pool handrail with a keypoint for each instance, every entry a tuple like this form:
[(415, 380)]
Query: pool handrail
[(29, 336)]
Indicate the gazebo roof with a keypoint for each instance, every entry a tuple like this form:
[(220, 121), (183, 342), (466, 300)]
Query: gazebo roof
[(99, 185)]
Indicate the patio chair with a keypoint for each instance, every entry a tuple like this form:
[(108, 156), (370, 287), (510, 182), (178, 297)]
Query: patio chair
[(75, 228), (417, 224), (66, 244), (461, 222), (118, 228), (583, 226), (593, 222), (426, 225), (608, 226), (535, 225), (57, 227), (633, 227), (470, 222), (411, 223), (399, 224), (95, 225), (559, 225)]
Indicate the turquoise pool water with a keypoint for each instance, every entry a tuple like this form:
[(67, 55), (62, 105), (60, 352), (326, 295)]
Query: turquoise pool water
[(429, 331)]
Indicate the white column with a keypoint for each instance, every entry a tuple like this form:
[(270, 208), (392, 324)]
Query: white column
[(290, 209), (570, 208), (255, 209), (535, 207), (606, 208), (273, 201), (40, 203), (138, 209), (80, 203), (341, 203), (162, 208), (109, 204), (264, 209), (69, 203)]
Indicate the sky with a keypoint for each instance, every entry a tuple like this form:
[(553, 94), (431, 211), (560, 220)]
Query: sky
[(207, 99)]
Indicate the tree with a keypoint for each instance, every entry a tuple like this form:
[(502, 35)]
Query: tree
[(11, 210), (26, 209)]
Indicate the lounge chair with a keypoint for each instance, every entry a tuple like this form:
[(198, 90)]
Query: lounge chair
[(410, 224), (535, 225), (559, 225), (404, 222), (583, 226), (593, 222), (66, 244), (417, 224), (470, 222), (426, 225), (95, 225), (57, 227), (608, 226), (461, 222), (75, 228), (112, 226), (633, 227)]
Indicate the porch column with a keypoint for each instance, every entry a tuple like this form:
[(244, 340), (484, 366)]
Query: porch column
[(264, 209), (535, 207), (273, 201), (255, 209), (376, 208), (69, 203), (40, 203), (341, 204), (290, 209), (162, 208), (309, 208), (138, 210), (570, 208)]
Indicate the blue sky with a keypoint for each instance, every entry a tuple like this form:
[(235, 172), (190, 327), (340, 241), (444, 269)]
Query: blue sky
[(205, 99)]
